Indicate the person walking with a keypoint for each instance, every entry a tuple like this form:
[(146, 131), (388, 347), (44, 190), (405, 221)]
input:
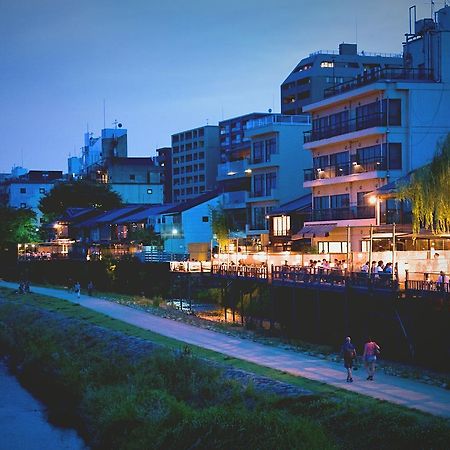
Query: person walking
[(371, 351), (77, 289), (90, 288), (348, 351)]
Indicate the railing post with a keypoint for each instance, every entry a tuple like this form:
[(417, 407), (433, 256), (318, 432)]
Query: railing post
[(406, 279)]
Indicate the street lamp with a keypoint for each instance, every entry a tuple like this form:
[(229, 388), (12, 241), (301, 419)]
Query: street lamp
[(174, 233)]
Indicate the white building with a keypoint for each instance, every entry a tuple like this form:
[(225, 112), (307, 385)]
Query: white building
[(187, 228), (374, 129), (275, 166)]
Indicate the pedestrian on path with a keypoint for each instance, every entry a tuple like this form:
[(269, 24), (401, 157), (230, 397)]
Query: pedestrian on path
[(348, 351), (371, 351), (90, 288), (77, 289)]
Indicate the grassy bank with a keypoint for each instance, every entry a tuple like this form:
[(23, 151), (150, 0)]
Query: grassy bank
[(171, 400)]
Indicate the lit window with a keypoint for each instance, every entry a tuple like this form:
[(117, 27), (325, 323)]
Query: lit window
[(327, 64), (23, 205), (41, 190), (149, 191)]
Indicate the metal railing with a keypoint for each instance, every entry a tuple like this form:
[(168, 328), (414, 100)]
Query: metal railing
[(378, 119), (342, 169), (371, 76), (352, 212), (278, 119)]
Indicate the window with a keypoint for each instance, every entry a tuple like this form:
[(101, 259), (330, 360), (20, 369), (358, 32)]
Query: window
[(132, 177), (281, 225), (23, 205), (41, 190), (201, 166), (271, 182), (176, 149), (395, 156), (271, 147), (327, 64), (319, 162), (322, 202), (258, 152), (362, 199), (23, 190), (340, 201), (332, 247), (149, 191), (205, 219), (201, 155), (258, 185)]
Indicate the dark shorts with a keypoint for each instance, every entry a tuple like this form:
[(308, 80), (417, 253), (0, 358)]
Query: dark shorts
[(370, 358), (348, 363)]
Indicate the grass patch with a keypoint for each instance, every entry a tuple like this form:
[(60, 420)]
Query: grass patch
[(133, 410)]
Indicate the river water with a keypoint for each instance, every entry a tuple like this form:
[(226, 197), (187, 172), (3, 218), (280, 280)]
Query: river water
[(23, 423)]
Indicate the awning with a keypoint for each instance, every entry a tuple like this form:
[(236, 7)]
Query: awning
[(319, 230)]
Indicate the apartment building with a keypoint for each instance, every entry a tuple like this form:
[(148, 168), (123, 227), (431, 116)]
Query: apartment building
[(323, 69), (275, 167), (164, 160), (195, 155), (374, 129)]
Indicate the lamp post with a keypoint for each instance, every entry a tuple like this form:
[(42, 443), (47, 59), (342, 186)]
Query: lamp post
[(174, 233)]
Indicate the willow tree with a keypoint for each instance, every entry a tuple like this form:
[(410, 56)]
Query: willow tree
[(220, 226), (429, 192)]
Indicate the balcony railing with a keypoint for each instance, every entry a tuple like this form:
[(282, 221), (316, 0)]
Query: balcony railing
[(371, 76), (278, 118), (273, 192), (358, 123), (234, 199), (340, 170), (352, 212), (232, 168)]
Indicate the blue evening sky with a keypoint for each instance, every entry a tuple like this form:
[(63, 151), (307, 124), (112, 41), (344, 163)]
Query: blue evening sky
[(161, 66)]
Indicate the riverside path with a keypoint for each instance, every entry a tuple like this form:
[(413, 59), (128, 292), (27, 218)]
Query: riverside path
[(408, 393)]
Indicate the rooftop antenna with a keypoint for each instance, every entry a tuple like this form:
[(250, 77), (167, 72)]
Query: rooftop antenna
[(207, 121), (21, 154)]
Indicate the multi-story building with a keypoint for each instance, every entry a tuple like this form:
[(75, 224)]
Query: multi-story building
[(195, 155), (374, 129), (275, 166), (27, 190), (324, 69), (233, 173), (105, 160), (164, 160)]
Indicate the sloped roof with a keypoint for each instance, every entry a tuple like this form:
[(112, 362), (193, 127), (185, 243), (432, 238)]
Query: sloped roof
[(392, 187), (180, 207), (141, 216), (299, 204), (111, 216)]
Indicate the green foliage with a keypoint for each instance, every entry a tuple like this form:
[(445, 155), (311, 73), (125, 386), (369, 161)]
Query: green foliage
[(79, 193), (145, 236), (17, 226), (220, 225), (167, 400), (429, 192)]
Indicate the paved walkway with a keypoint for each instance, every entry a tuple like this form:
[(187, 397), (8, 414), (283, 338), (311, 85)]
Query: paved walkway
[(408, 393)]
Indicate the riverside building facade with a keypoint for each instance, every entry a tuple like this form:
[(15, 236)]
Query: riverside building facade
[(372, 130)]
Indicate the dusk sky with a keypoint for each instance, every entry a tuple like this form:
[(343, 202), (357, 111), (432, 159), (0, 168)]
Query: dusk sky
[(161, 66)]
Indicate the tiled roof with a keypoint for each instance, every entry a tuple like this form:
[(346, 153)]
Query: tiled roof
[(141, 216), (299, 204), (180, 207)]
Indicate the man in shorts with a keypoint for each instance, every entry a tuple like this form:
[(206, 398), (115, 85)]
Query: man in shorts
[(348, 351)]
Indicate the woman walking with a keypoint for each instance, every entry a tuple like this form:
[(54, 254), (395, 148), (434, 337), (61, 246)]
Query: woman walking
[(371, 351), (348, 351)]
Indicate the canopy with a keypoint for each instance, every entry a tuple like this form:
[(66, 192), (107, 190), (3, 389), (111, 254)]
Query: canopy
[(315, 230)]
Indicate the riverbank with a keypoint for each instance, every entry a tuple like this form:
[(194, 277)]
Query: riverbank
[(336, 413), (23, 421)]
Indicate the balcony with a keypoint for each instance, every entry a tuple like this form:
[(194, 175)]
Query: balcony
[(235, 200), (371, 76), (340, 170), (233, 169), (171, 230), (350, 213), (359, 123), (278, 119), (267, 195)]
